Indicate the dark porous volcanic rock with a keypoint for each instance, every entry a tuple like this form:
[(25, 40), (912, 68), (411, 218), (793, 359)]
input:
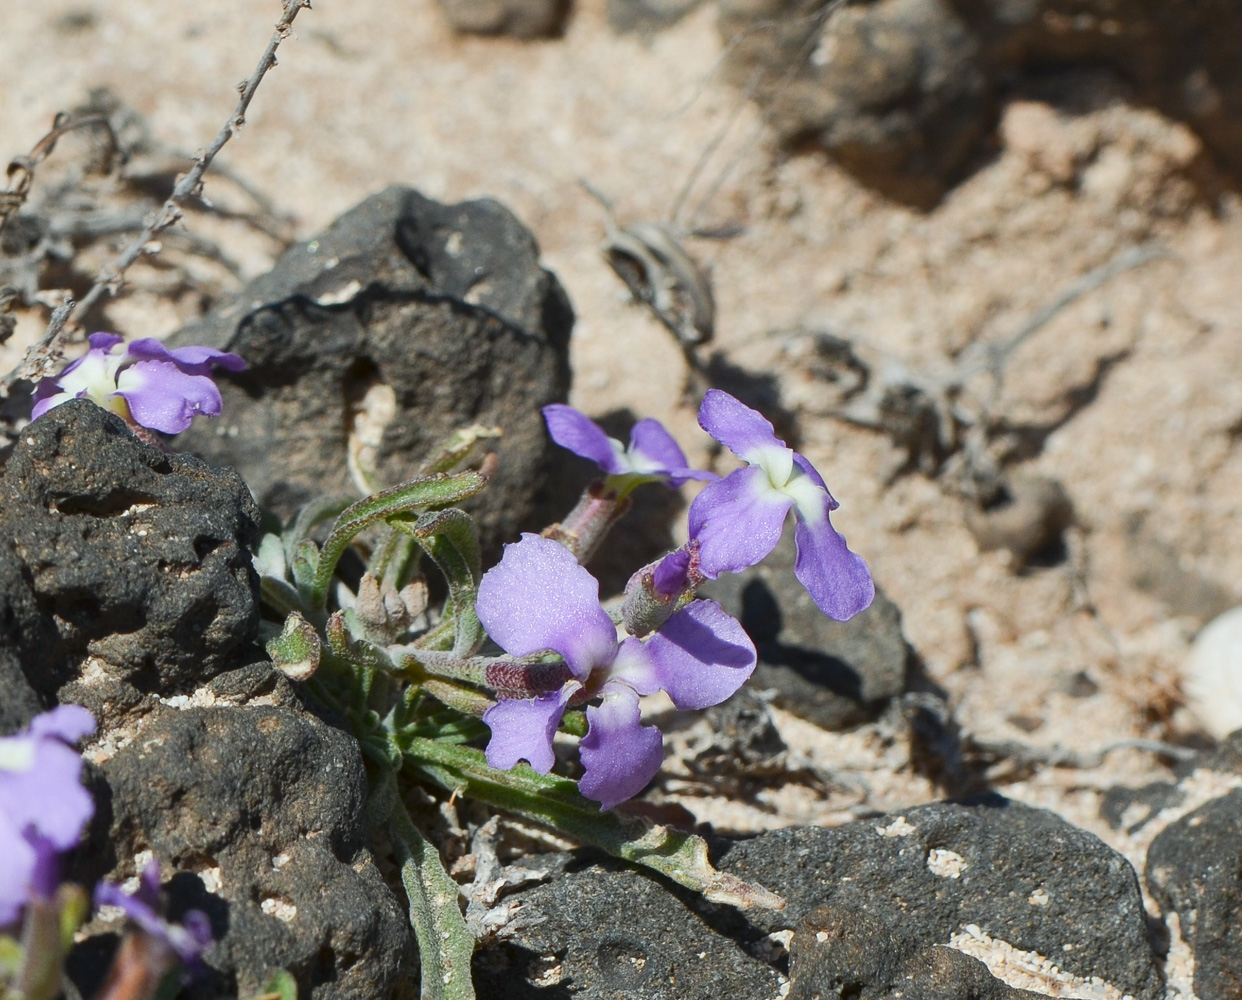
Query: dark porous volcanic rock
[(1021, 875), (834, 674), (127, 553), (25, 635), (254, 808), (443, 306), (518, 18), (903, 92), (839, 951), (894, 89), (602, 932), (1194, 867)]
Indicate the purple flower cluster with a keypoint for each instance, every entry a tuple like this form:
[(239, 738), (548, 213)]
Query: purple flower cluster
[(143, 382), (43, 806), (737, 521), (537, 599)]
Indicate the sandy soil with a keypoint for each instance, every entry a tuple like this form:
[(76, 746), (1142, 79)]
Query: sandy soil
[(369, 94)]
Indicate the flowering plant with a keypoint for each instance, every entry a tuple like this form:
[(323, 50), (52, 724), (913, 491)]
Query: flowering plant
[(43, 810), (432, 701), (143, 382)]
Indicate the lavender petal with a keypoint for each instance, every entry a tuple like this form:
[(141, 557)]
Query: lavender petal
[(836, 578), (735, 425), (619, 753), (522, 729), (671, 573), (166, 399), (194, 360), (47, 797), (16, 871), (583, 436), (64, 722), (653, 450), (737, 521), (702, 655), (538, 597)]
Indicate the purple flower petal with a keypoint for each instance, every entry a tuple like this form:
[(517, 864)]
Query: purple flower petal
[(46, 796), (15, 871), (192, 360), (815, 477), (538, 597), (671, 573), (64, 722), (656, 447), (836, 578), (189, 939), (737, 521), (702, 655), (583, 436), (635, 667), (619, 753), (166, 399), (736, 426), (653, 451), (102, 342), (45, 875), (522, 729)]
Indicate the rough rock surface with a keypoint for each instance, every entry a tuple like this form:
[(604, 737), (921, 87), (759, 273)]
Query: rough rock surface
[(1194, 867), (118, 550), (519, 18), (902, 92), (399, 324), (850, 953), (902, 884), (602, 931), (834, 674), (255, 808), (894, 90)]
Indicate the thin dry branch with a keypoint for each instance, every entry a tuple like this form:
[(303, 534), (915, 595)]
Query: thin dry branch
[(39, 358), (21, 170)]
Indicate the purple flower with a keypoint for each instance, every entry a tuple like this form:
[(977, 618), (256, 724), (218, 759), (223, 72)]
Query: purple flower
[(143, 382), (737, 521), (652, 456), (188, 940), (538, 598), (43, 806)]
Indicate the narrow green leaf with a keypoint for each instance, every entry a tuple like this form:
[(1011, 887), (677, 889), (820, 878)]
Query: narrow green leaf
[(445, 945), (312, 514), (451, 539), (304, 566), (456, 448), (279, 595), (555, 802), (431, 491)]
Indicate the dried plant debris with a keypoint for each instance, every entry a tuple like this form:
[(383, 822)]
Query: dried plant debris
[(947, 421)]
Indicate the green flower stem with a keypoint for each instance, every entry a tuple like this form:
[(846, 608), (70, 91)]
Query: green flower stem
[(445, 945), (431, 491), (555, 802)]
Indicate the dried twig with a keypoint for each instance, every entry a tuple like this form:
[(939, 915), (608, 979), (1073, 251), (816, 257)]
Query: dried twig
[(189, 185), (21, 169)]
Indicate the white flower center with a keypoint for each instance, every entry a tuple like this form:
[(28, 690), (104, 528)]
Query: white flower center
[(17, 754)]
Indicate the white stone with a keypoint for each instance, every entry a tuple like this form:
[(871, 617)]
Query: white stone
[(1212, 676)]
